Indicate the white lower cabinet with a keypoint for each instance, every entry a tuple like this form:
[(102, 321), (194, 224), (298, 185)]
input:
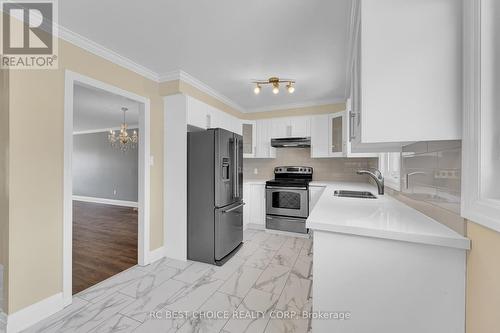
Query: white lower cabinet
[(315, 193), (254, 212)]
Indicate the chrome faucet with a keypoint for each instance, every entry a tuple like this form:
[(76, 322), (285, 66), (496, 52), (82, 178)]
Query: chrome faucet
[(377, 177)]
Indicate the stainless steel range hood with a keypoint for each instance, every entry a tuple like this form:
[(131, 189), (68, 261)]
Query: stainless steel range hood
[(302, 142)]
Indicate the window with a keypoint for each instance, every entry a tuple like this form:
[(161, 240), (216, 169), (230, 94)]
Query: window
[(390, 166), (481, 133)]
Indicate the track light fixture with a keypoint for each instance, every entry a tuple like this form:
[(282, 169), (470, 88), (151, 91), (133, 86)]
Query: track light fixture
[(275, 82)]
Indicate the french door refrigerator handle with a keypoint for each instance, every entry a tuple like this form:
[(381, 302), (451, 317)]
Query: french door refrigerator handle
[(234, 208), (235, 167)]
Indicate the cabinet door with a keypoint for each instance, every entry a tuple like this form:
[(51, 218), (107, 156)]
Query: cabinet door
[(258, 206), (263, 139), (196, 113), (280, 128), (320, 136), (249, 139), (300, 127), (336, 135)]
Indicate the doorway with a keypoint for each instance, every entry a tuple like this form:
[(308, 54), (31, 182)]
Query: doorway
[(106, 195)]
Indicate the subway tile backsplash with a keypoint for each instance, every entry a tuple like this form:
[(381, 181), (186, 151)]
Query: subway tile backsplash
[(431, 172), (328, 169)]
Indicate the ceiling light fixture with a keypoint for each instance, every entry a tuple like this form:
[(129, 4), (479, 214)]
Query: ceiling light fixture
[(123, 140), (257, 89), (275, 82)]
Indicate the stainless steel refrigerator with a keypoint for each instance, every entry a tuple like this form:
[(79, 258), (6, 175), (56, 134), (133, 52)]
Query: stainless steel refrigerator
[(215, 195)]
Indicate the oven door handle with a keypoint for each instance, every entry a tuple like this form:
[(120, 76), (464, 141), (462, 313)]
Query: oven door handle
[(286, 188)]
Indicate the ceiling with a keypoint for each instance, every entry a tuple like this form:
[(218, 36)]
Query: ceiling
[(226, 43), (96, 109)]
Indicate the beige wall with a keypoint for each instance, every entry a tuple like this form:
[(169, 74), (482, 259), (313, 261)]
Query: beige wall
[(332, 169), (36, 164), (4, 187), (483, 280)]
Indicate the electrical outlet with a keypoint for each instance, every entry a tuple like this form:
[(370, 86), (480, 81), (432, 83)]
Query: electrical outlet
[(255, 171), (114, 192)]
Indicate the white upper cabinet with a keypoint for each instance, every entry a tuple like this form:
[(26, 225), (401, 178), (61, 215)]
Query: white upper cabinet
[(289, 127), (299, 127), (406, 71), (320, 136), (263, 139), (197, 113), (203, 116), (329, 136), (249, 130)]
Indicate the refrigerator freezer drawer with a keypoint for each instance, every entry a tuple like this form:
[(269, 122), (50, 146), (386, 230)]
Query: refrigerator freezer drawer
[(228, 229)]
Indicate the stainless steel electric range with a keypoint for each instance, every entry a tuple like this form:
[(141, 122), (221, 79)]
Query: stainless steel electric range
[(287, 198)]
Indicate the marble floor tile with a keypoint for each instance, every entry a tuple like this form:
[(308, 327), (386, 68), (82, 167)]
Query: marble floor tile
[(257, 304), (306, 252), (295, 295), (160, 325), (266, 273), (117, 323), (241, 281), (192, 296), (144, 284), (219, 304), (49, 324), (295, 243), (155, 300), (193, 272), (303, 267), (247, 250), (88, 318), (249, 234), (286, 256), (261, 258), (225, 271), (273, 242), (260, 237), (298, 325), (179, 264), (111, 285), (273, 279)]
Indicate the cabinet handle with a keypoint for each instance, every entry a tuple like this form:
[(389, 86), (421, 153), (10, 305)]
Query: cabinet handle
[(352, 136)]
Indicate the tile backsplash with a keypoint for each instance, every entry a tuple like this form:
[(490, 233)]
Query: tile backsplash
[(328, 169), (431, 180)]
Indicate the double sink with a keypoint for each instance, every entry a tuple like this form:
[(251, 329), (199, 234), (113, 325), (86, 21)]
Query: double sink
[(354, 194)]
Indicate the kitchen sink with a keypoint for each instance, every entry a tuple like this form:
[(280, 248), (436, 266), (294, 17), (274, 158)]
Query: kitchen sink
[(354, 194)]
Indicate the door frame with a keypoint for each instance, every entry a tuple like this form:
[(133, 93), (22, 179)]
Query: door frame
[(71, 79)]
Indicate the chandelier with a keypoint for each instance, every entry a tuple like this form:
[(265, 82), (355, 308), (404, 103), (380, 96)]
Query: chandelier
[(275, 82), (123, 140)]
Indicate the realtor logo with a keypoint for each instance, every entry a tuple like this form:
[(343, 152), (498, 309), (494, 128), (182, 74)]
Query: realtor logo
[(29, 35)]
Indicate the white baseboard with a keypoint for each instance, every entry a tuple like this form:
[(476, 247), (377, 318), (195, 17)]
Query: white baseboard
[(105, 201), (34, 313), (156, 254)]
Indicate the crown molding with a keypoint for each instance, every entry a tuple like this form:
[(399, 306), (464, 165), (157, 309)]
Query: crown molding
[(298, 105), (103, 52), (191, 80)]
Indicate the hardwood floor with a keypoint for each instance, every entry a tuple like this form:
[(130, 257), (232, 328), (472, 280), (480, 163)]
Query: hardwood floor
[(104, 242)]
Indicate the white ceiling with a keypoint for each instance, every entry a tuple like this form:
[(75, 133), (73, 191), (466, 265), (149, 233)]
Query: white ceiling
[(227, 43), (95, 109)]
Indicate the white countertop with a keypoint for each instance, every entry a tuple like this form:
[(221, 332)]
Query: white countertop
[(384, 217)]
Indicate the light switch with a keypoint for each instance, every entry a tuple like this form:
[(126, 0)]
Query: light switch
[(151, 160), (255, 171)]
